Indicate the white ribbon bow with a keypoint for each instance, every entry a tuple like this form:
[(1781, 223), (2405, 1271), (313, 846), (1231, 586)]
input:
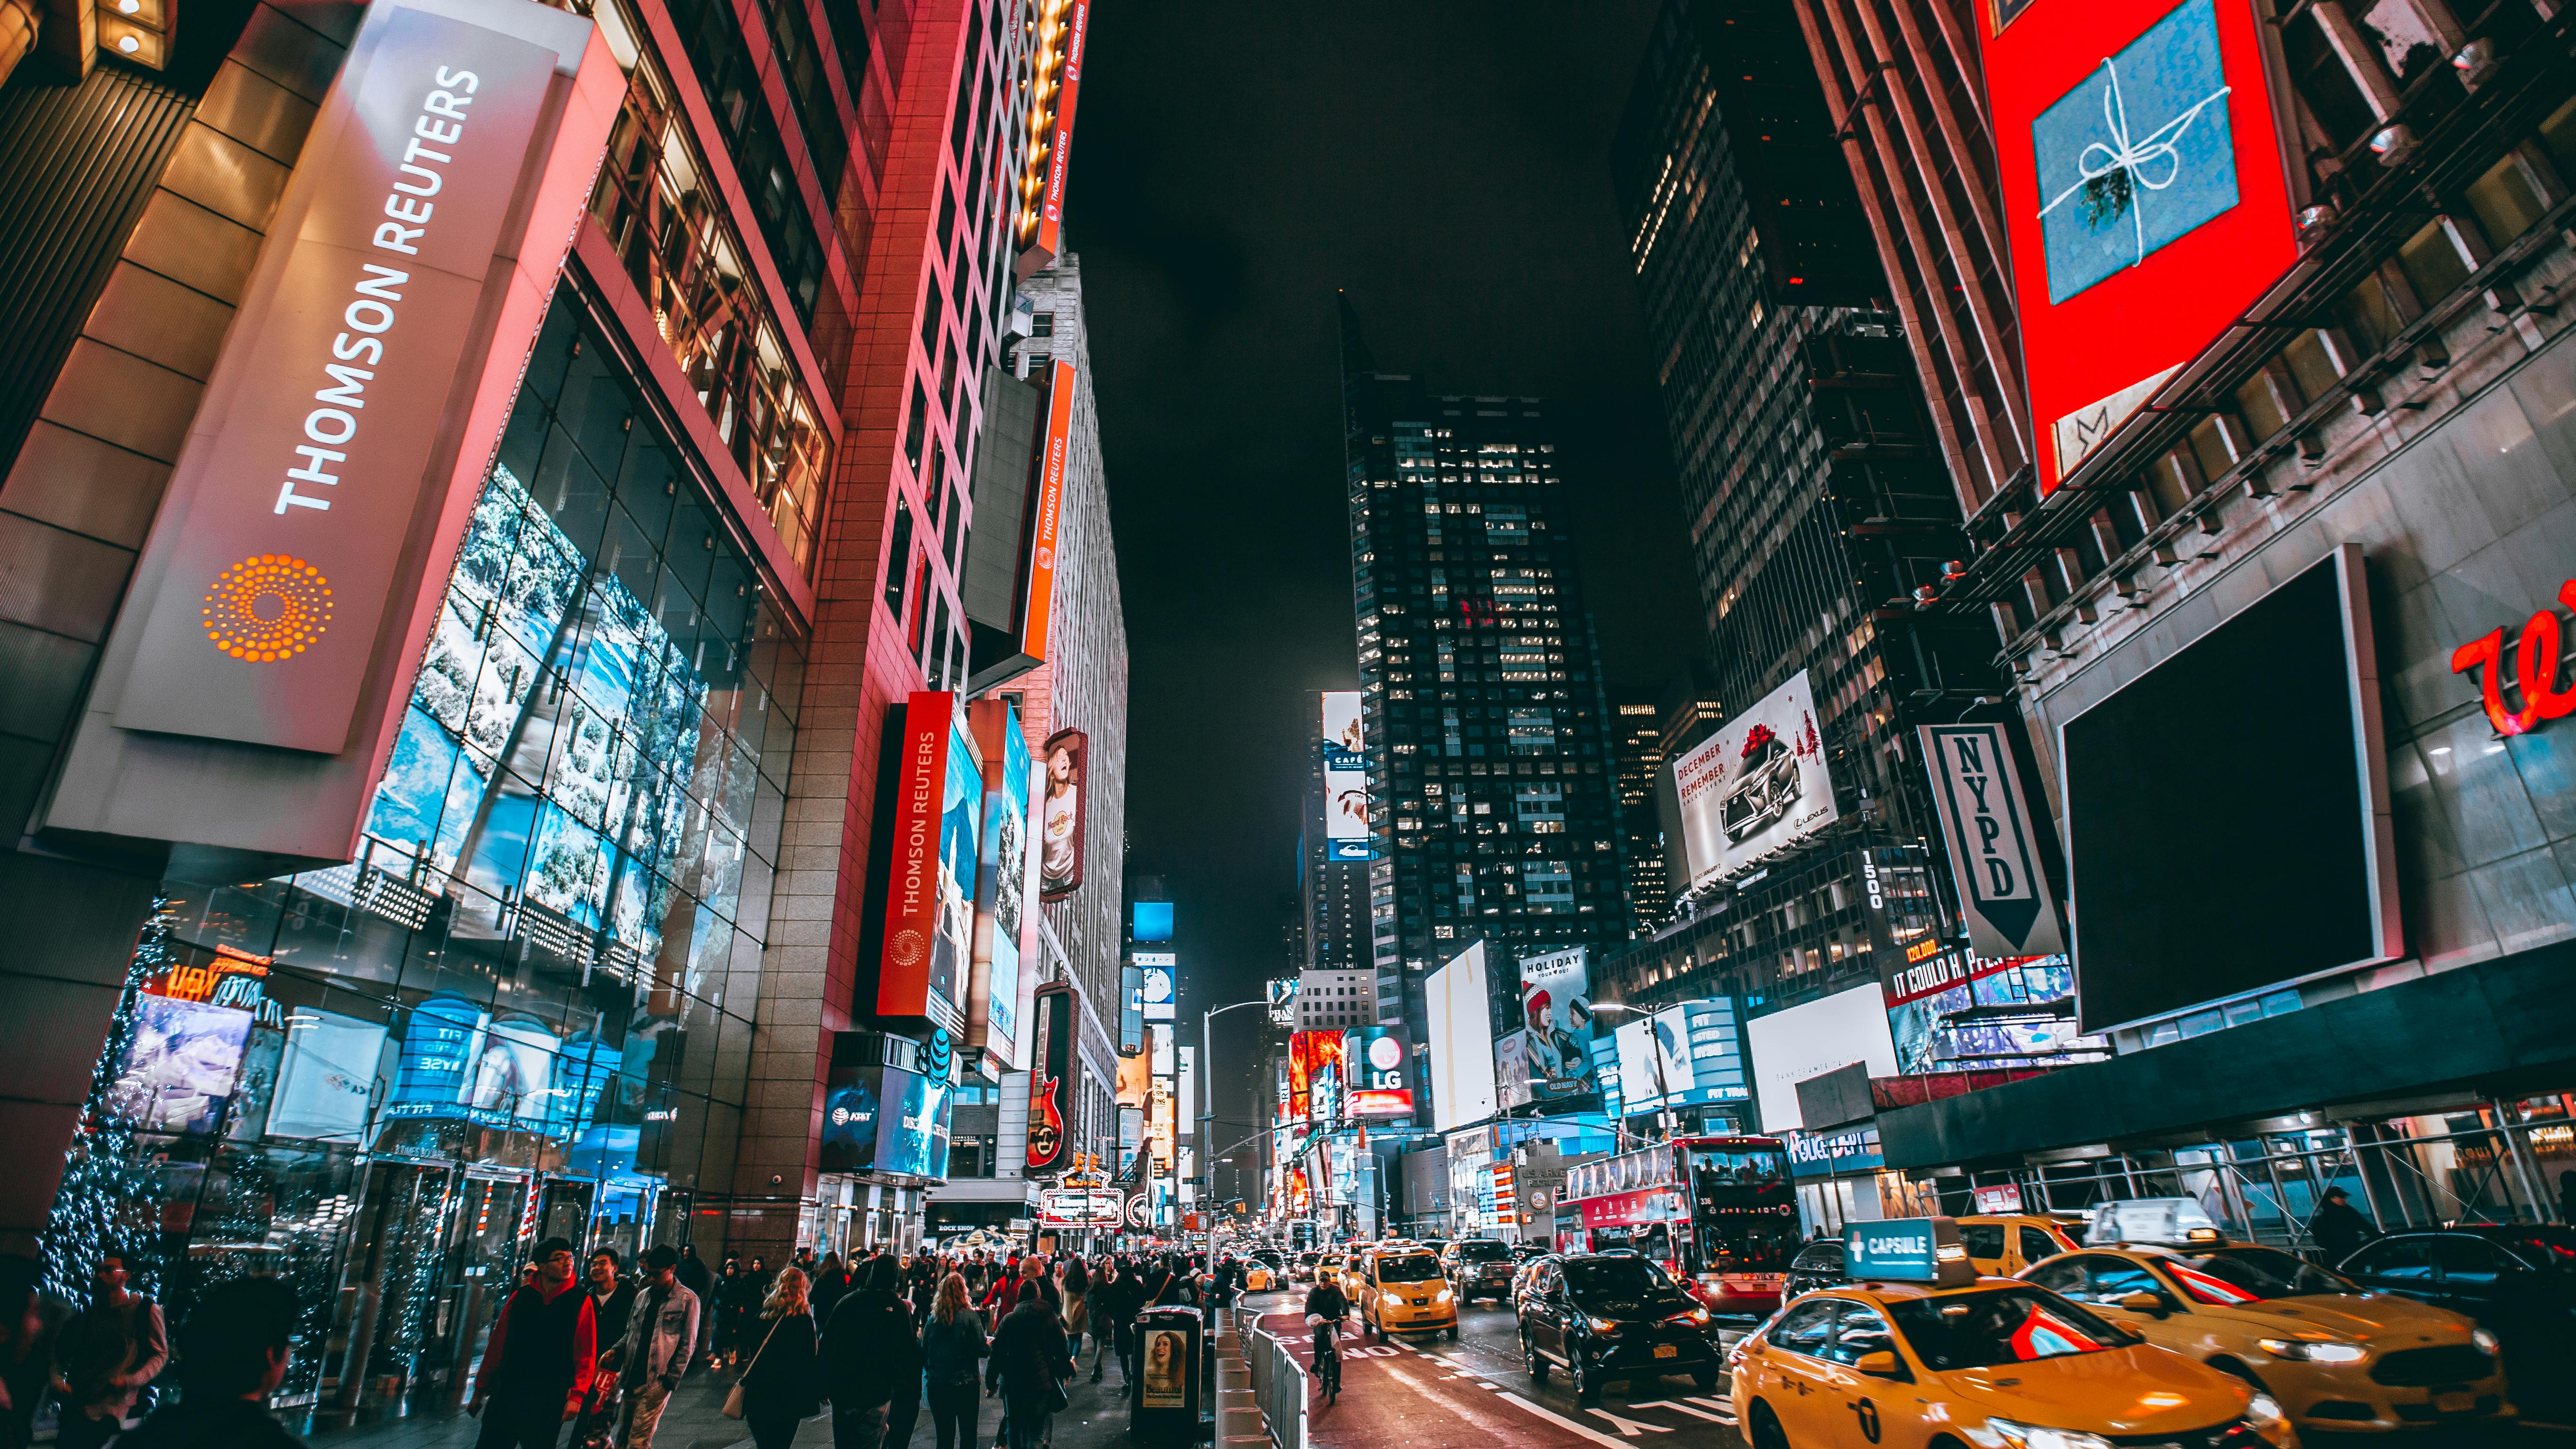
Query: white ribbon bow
[(2133, 156)]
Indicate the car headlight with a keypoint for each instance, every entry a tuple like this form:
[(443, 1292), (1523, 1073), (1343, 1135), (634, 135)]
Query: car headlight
[(1602, 1325), (2005, 1434), (1445, 1295), (2263, 1410), (1695, 1315), (2308, 1351), (2487, 1342)]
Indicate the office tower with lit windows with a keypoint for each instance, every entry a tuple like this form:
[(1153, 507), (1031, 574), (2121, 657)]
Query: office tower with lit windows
[(1491, 772), (1637, 736)]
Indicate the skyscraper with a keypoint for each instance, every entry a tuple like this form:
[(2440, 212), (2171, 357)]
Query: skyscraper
[(1490, 770), (1814, 499), (1638, 740)]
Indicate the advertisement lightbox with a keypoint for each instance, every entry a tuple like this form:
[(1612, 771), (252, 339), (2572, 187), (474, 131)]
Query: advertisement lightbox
[(1788, 1047), (1161, 990), (1002, 878), (2145, 197), (1995, 854), (1066, 756), (1547, 1059), (1283, 1000), (1755, 786), (930, 900), (2284, 850), (1380, 1079), (1053, 1021), (1461, 1019), (1346, 800)]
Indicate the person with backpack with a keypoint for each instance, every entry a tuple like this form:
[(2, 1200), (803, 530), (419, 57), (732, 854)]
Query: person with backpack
[(1029, 1366), (953, 1347), (870, 1353)]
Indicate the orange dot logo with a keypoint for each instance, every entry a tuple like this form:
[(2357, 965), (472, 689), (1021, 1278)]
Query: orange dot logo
[(268, 608)]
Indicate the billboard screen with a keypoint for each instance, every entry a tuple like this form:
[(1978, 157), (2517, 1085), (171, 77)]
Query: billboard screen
[(1381, 1085), (1131, 1010), (181, 1064), (880, 1117), (1701, 1055), (993, 982), (1051, 1084), (1806, 1041), (1459, 1010), (2147, 201), (1066, 755), (1161, 989), (2154, 815), (1150, 921), (325, 1076), (930, 902), (1547, 1059), (1315, 1075), (1283, 1000), (1135, 1081), (1346, 803), (1755, 786)]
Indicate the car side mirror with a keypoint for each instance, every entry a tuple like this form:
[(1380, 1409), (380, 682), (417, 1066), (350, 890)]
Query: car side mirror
[(2146, 1303), (1881, 1365)]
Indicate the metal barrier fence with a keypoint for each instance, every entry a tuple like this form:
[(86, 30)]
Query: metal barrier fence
[(1278, 1386)]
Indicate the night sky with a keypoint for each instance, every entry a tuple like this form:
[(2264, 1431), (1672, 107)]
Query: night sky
[(1234, 164)]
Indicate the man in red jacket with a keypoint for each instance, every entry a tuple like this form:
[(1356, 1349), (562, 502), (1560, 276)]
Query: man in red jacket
[(538, 1364)]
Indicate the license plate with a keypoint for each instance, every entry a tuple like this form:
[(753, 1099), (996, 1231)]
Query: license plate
[(2460, 1402), (1667, 1350)]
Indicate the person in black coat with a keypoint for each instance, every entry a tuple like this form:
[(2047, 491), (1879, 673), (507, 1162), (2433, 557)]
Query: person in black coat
[(1028, 1362), (870, 1354), (784, 1385), (2339, 1227), (1119, 1295)]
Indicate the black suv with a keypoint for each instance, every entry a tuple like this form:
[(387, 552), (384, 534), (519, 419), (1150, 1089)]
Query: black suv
[(1479, 1268), (1613, 1316)]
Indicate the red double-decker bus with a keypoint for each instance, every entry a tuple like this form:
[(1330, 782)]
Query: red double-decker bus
[(1718, 1212)]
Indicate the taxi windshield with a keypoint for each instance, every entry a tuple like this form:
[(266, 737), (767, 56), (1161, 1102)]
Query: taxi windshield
[(2249, 1275), (1483, 1250), (1999, 1326), (1407, 1268)]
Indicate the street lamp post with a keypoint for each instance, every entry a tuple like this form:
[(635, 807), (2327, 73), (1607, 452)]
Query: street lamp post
[(1663, 1092), (1207, 1088)]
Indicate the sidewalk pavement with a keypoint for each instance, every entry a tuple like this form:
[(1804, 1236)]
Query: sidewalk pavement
[(695, 1420)]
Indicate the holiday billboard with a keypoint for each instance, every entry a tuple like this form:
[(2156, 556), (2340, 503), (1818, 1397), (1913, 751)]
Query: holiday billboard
[(1755, 786), (1548, 1058), (2144, 194)]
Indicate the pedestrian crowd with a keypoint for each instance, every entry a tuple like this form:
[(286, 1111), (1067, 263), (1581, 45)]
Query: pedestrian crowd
[(597, 1345)]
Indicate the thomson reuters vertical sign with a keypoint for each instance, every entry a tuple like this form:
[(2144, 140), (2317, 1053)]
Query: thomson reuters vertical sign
[(315, 508), (915, 933), (1037, 621)]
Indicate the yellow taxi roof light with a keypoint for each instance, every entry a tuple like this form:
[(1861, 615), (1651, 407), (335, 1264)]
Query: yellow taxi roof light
[(2151, 1220)]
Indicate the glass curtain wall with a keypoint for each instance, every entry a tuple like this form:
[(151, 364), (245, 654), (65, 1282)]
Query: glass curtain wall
[(524, 1009)]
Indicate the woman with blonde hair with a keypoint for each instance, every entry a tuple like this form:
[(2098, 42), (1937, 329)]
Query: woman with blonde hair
[(784, 1384), (952, 1344)]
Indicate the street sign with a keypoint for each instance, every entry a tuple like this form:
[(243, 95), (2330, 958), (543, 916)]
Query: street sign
[(1907, 1250)]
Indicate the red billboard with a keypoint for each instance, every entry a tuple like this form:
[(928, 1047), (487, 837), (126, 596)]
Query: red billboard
[(1037, 619), (2145, 196), (930, 889)]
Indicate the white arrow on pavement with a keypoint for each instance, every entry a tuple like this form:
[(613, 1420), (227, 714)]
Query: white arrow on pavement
[(1684, 1409), (1628, 1428)]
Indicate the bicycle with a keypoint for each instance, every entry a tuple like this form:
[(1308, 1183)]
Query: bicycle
[(1328, 1358)]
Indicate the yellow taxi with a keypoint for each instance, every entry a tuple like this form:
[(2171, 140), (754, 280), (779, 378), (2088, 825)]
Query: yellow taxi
[(1328, 1269), (2002, 1244), (1920, 1351), (1403, 1290), (2336, 1356)]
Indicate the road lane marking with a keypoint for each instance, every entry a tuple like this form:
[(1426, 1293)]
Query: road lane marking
[(1683, 1408), (1724, 1408), (1562, 1422), (1628, 1428)]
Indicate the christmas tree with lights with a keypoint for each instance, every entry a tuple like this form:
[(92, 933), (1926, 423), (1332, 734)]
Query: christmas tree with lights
[(110, 1201)]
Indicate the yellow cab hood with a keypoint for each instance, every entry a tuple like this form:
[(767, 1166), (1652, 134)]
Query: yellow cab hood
[(2384, 1320), (2135, 1390)]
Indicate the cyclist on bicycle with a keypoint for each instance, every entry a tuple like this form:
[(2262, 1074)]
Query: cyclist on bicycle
[(1325, 1309)]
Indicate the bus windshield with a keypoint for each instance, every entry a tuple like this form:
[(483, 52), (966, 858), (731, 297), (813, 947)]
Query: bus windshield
[(1714, 1168)]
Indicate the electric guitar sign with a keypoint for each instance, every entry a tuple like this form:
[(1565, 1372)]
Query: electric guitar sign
[(1050, 1079)]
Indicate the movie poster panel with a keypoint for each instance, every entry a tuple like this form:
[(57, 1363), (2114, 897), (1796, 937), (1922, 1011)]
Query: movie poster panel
[(1755, 786), (1066, 756)]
